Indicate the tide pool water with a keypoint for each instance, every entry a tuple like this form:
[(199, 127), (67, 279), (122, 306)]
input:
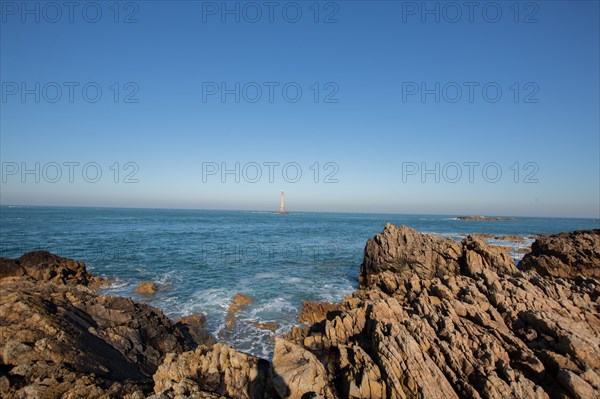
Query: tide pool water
[(201, 259)]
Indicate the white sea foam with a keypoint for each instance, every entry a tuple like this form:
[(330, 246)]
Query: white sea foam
[(277, 305), (214, 298), (118, 284)]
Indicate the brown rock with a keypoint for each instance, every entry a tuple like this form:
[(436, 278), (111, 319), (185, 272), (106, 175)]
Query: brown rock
[(43, 266), (238, 303), (576, 386), (193, 327), (478, 256), (433, 319), (265, 326), (510, 238), (512, 250), (314, 312), (439, 319), (220, 370), (59, 339), (565, 255), (361, 378), (402, 250), (296, 373), (146, 288)]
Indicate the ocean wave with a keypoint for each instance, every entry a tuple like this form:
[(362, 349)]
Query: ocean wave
[(117, 284), (266, 275)]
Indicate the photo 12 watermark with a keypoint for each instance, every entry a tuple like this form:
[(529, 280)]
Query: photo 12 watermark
[(69, 172), (471, 12), (70, 12), (270, 171), (470, 172), (115, 252), (270, 92), (253, 12), (69, 92), (470, 92)]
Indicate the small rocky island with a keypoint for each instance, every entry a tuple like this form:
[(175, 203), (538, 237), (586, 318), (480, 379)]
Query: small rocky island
[(483, 218), (434, 319)]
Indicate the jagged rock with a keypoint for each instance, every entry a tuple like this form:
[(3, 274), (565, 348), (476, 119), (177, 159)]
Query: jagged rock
[(193, 327), (238, 303), (59, 338), (440, 319), (576, 386), (42, 266), (565, 255), (296, 373), (361, 377), (195, 395), (402, 250), (478, 256), (314, 312), (219, 369), (146, 288), (519, 239), (265, 326)]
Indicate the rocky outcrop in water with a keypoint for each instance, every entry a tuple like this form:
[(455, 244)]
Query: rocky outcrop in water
[(238, 303), (146, 288), (566, 255), (42, 266), (194, 329), (483, 218)]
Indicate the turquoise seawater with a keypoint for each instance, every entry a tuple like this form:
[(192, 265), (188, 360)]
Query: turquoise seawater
[(201, 259)]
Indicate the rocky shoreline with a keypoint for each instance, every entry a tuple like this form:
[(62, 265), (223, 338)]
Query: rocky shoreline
[(433, 318)]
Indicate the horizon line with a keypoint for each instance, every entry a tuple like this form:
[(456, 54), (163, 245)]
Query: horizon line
[(593, 218)]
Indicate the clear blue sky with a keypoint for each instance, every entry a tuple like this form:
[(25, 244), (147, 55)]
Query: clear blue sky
[(372, 58)]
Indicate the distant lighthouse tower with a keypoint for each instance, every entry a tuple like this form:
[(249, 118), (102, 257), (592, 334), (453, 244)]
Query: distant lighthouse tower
[(281, 207)]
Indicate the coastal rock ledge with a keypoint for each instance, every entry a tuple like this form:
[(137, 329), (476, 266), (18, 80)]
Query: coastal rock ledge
[(433, 319)]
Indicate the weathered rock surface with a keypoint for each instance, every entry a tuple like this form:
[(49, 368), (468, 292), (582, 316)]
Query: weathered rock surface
[(566, 255), (398, 250), (314, 312), (218, 369), (58, 338), (47, 267), (268, 325), (193, 328), (146, 288), (440, 319), (238, 303), (296, 373)]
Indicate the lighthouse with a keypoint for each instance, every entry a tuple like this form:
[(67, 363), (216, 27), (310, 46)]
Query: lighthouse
[(281, 207)]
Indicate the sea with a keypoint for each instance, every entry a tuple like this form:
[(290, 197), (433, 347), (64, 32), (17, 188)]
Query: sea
[(201, 259)]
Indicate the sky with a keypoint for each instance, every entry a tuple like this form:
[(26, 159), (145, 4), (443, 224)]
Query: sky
[(482, 108)]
